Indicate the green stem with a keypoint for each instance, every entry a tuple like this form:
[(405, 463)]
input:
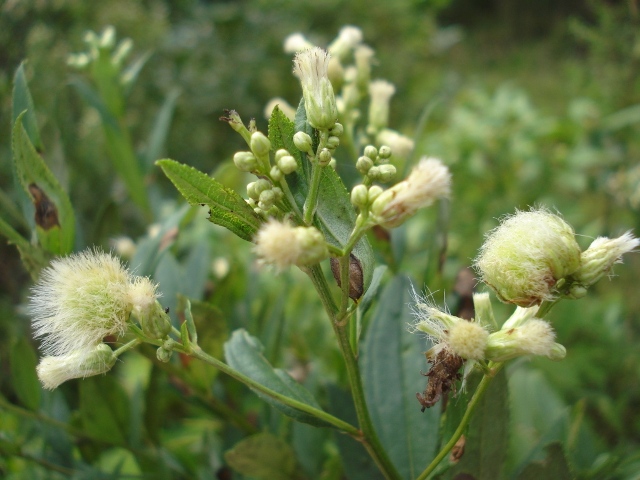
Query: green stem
[(303, 407), (544, 308), (311, 202), (477, 395), (370, 438)]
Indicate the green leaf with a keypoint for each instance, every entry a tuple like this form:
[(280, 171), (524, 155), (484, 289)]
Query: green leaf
[(356, 462), (55, 222), (244, 353), (160, 130), (22, 101), (104, 408), (392, 361), (119, 146), (487, 439), (227, 208), (553, 467), (263, 456), (34, 259), (23, 373)]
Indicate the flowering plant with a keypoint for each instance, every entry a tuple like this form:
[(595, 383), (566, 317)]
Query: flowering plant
[(299, 213)]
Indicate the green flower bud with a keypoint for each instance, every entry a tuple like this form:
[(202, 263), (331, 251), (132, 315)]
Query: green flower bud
[(287, 164), (154, 321), (333, 142), (337, 130), (387, 173), (384, 152), (277, 191), (303, 142), (359, 196), (260, 144), (324, 157), (374, 173), (374, 192), (281, 153), (364, 164), (267, 199), (371, 152), (524, 257), (251, 191), (245, 161), (599, 258), (276, 174), (163, 355)]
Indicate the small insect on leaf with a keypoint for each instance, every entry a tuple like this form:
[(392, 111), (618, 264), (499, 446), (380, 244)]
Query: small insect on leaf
[(46, 215)]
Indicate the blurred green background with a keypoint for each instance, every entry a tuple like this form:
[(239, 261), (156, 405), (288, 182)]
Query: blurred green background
[(529, 102)]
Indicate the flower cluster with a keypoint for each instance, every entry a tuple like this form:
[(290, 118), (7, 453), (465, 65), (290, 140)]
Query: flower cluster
[(81, 299)]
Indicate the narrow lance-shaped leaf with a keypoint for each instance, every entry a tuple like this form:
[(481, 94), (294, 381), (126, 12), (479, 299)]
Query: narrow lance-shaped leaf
[(392, 361), (227, 208), (54, 218), (22, 101), (244, 353)]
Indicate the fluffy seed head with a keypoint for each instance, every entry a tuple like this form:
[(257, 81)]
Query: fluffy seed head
[(282, 245), (55, 370), (79, 300), (428, 181), (468, 340), (524, 257)]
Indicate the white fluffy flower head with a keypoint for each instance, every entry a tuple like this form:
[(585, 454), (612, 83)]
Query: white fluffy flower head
[(282, 245), (524, 257), (381, 92), (55, 370), (427, 182), (311, 67), (601, 255), (79, 300)]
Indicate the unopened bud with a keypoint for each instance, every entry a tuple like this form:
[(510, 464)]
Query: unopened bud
[(359, 196), (303, 142), (260, 144), (245, 161), (276, 174), (154, 321), (333, 142), (374, 192), (364, 164), (337, 130), (387, 173), (324, 157), (287, 164), (163, 355), (267, 199), (371, 152), (384, 152), (281, 153)]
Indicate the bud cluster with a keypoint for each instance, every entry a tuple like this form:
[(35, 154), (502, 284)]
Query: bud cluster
[(374, 164)]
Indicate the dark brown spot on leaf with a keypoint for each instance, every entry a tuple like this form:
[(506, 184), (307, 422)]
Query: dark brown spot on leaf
[(46, 215)]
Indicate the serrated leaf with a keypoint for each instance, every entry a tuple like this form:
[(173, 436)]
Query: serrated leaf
[(244, 354), (23, 373), (263, 456), (227, 208), (55, 222), (392, 360), (22, 101), (486, 443)]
